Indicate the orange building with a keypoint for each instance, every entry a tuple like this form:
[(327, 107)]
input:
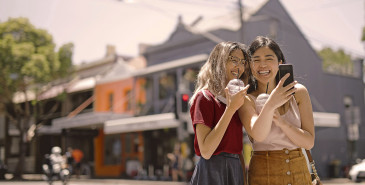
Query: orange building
[(139, 142), (118, 96)]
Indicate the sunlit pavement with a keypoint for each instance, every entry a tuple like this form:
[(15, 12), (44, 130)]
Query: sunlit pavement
[(36, 179)]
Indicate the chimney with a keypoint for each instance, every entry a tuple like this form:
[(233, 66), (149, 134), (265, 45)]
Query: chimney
[(110, 50)]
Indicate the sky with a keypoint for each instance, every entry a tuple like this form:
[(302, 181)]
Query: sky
[(93, 24)]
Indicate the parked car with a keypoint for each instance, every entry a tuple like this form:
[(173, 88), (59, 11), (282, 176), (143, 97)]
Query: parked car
[(357, 171)]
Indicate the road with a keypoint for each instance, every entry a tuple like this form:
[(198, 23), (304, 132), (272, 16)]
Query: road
[(35, 179), (135, 182)]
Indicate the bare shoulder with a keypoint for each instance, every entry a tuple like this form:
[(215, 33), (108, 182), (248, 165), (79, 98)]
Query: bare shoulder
[(302, 93)]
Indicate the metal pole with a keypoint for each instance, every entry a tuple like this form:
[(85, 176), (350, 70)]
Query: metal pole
[(241, 33)]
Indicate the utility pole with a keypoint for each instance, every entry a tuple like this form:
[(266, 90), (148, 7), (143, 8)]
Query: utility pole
[(241, 32)]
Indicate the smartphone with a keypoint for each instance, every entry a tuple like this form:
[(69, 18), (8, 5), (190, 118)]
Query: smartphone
[(283, 70)]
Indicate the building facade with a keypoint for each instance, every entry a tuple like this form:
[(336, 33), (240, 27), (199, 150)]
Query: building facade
[(337, 100)]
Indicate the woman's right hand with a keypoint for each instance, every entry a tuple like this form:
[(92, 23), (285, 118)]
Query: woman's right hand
[(280, 95), (236, 101)]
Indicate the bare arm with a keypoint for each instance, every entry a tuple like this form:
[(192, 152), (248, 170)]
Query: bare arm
[(304, 136), (209, 139), (258, 126)]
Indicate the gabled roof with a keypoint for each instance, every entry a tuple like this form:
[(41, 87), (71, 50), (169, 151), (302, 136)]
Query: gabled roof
[(229, 21), (205, 27), (120, 70), (124, 71)]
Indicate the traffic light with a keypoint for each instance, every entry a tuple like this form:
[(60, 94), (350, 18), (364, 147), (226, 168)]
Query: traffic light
[(184, 103), (182, 113)]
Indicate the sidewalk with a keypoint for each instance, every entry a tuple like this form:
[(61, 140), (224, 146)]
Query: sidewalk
[(38, 177), (336, 181)]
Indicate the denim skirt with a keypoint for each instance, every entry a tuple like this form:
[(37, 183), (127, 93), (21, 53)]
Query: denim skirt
[(279, 167), (221, 169)]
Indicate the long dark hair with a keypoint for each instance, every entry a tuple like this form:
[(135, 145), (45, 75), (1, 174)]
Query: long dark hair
[(259, 42)]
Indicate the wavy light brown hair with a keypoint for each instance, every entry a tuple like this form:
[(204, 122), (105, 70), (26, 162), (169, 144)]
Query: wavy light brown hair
[(212, 75)]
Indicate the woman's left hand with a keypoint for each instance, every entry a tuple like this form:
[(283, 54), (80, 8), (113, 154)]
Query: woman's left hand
[(280, 95)]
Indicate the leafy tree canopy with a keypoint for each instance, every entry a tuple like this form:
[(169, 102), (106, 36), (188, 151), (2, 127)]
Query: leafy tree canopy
[(337, 62), (28, 56)]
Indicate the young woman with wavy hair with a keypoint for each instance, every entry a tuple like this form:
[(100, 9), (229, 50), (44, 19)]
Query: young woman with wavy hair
[(217, 126)]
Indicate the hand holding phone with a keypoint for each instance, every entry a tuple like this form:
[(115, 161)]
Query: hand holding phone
[(283, 70)]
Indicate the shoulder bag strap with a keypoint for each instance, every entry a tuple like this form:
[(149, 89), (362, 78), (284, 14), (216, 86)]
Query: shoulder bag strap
[(312, 163), (309, 155)]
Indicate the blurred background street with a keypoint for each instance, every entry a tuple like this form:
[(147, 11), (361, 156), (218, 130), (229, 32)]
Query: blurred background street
[(137, 182), (34, 180), (103, 86)]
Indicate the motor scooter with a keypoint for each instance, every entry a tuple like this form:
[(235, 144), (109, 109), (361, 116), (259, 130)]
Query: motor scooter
[(55, 170)]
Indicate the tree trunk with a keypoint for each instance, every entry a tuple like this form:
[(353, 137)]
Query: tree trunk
[(22, 145)]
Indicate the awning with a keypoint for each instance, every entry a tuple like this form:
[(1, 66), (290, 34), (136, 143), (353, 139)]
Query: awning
[(88, 120), (82, 84), (55, 90), (151, 122), (172, 64), (325, 119), (49, 130)]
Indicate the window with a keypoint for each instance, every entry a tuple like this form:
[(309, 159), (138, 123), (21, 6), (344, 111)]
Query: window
[(110, 101), (190, 76), (167, 85), (112, 149), (132, 142), (128, 99), (128, 143), (144, 104)]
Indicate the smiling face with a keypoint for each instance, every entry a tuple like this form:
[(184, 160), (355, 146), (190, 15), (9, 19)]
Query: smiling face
[(264, 65), (235, 65)]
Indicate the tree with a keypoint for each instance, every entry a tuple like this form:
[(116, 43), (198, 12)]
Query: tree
[(28, 60), (336, 62)]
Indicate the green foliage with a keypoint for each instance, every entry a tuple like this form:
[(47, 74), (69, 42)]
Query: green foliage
[(363, 34), (65, 57), (337, 62), (27, 59), (28, 56)]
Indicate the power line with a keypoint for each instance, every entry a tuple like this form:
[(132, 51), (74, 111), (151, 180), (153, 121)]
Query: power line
[(195, 3), (173, 12), (230, 4)]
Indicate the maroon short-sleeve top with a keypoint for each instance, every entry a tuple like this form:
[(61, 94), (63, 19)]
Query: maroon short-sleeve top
[(208, 111)]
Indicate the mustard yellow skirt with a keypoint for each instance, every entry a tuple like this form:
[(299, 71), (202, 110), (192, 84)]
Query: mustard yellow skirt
[(279, 167)]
